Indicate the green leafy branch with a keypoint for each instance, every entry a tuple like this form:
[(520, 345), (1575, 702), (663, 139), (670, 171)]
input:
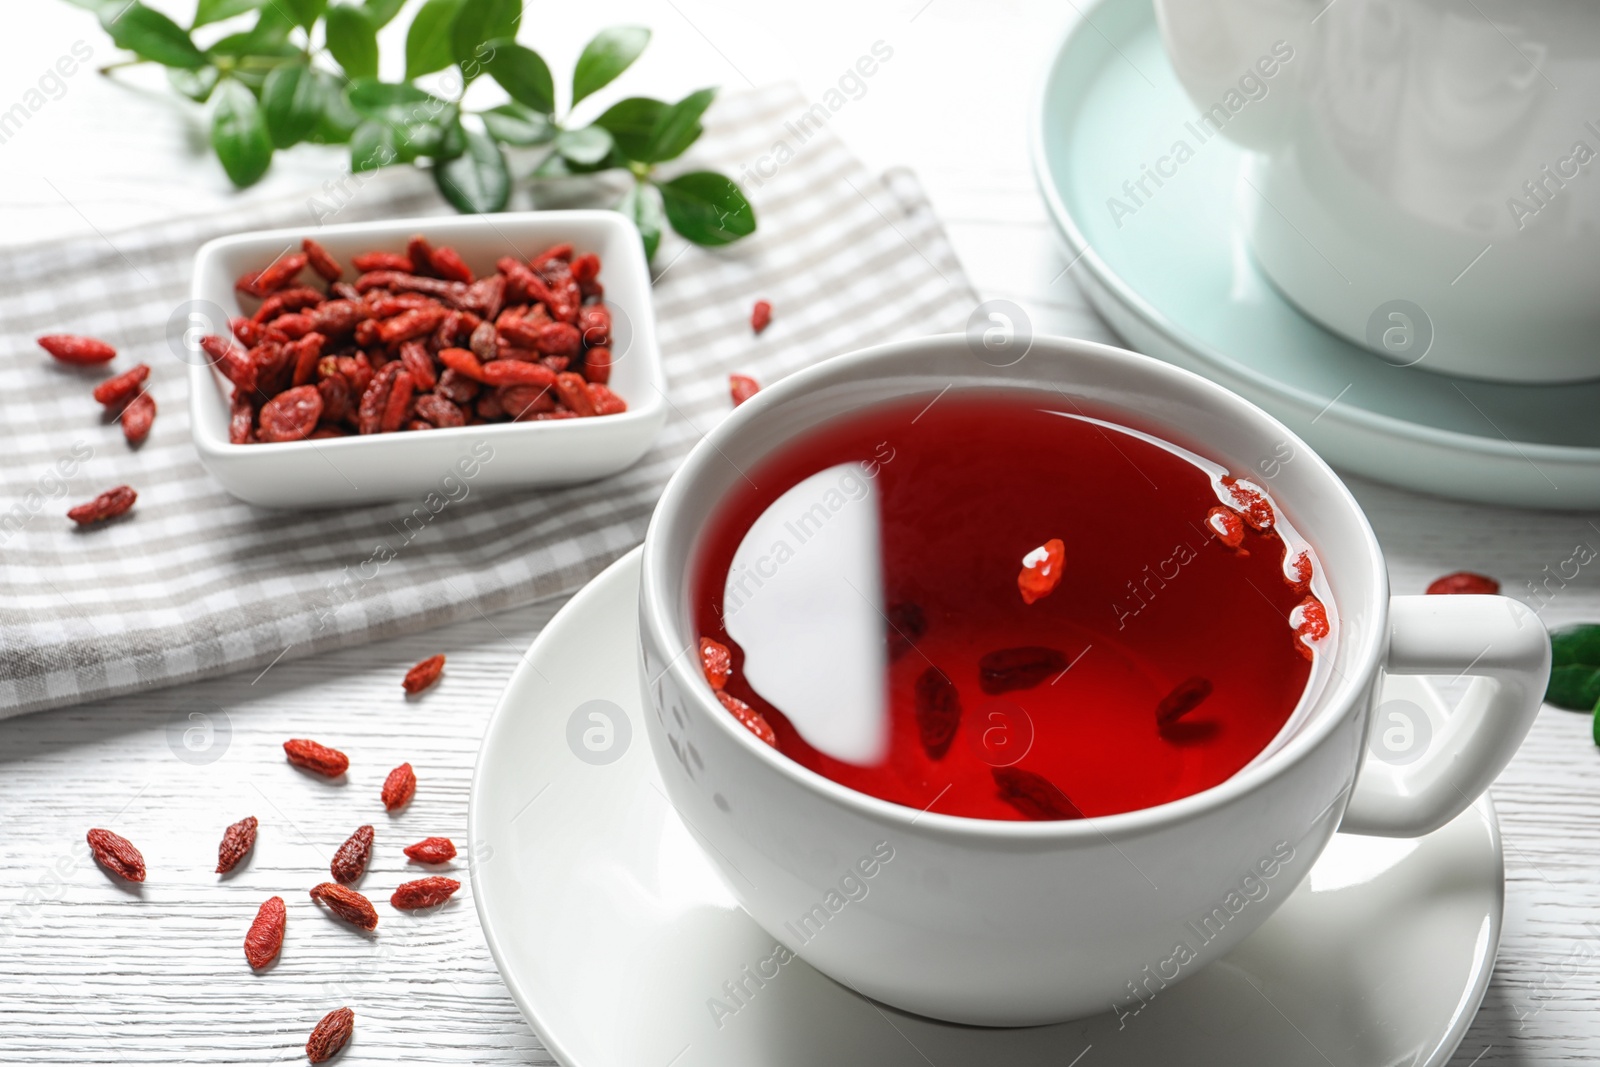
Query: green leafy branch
[(307, 71)]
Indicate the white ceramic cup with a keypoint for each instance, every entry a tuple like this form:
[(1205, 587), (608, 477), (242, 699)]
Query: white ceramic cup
[(1014, 923), (1426, 175)]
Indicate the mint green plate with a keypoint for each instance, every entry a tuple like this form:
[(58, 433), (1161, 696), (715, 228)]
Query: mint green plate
[(1176, 280)]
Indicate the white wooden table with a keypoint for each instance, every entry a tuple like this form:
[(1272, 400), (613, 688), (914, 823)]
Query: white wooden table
[(91, 972)]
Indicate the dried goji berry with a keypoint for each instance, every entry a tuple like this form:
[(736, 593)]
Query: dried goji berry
[(448, 264), (1464, 582), (397, 408), (522, 402), (116, 854), (108, 505), (938, 711), (423, 893), (321, 261), (419, 364), (305, 354), (1033, 795), (420, 252), (424, 674), (328, 762), (1041, 570), (409, 324), (1184, 698), (585, 268), (594, 324), (1009, 669), (748, 717), (366, 262), (119, 390), (291, 415), (288, 300), (399, 787), (456, 387), (349, 863), (237, 841), (346, 903), (463, 363), (574, 393), (742, 387), (71, 348), (515, 372), (337, 317), (330, 1035), (760, 316), (280, 272), (439, 411), (716, 661), (265, 936), (562, 251), (432, 850), (241, 421), (597, 365), (375, 401)]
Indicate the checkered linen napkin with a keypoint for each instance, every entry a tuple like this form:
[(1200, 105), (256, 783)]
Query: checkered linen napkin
[(197, 583)]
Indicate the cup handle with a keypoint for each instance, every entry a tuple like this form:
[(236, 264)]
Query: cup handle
[(1503, 646)]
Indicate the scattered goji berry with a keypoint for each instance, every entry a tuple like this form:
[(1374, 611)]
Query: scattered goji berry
[(346, 903), (71, 348), (265, 936), (1464, 582), (328, 762), (399, 787), (748, 717), (423, 893), (1041, 570), (138, 417), (742, 387), (237, 841), (349, 863), (330, 1035), (432, 850), (119, 390), (716, 661), (424, 674), (108, 505), (116, 854), (760, 315)]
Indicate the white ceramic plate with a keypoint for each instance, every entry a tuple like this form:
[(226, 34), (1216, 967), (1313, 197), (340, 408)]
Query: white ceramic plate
[(1176, 279), (616, 936), (364, 469)]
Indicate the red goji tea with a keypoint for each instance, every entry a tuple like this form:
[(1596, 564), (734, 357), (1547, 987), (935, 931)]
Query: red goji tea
[(999, 607)]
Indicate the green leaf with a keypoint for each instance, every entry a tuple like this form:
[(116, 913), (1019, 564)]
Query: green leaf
[(611, 52), (100, 6), (338, 120), (291, 100), (585, 147), (195, 84), (1575, 667), (209, 11), (678, 127), (631, 123), (399, 104), (382, 12), (477, 181), (151, 35), (304, 12), (642, 205), (452, 140), (707, 208), (428, 39), (372, 146), (239, 134), (479, 22), (514, 124), (352, 37), (522, 72)]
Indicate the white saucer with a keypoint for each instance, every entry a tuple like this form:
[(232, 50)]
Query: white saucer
[(613, 932), (1177, 281)]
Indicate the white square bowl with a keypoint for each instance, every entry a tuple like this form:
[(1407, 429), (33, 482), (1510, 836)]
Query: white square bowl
[(392, 466)]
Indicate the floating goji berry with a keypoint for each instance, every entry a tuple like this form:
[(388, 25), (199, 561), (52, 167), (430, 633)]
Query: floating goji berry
[(423, 893), (424, 674), (123, 387), (1299, 570), (1009, 669), (237, 841), (265, 937), (330, 1035), (291, 415), (1464, 582), (321, 260), (742, 387), (349, 863), (71, 348), (716, 661), (1041, 570), (328, 762), (116, 854), (399, 787), (748, 717), (346, 903), (1251, 501), (1227, 525), (1033, 795), (938, 711), (1310, 620), (432, 850), (760, 316), (1184, 698), (108, 505)]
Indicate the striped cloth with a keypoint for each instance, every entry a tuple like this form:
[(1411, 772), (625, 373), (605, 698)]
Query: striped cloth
[(197, 583)]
